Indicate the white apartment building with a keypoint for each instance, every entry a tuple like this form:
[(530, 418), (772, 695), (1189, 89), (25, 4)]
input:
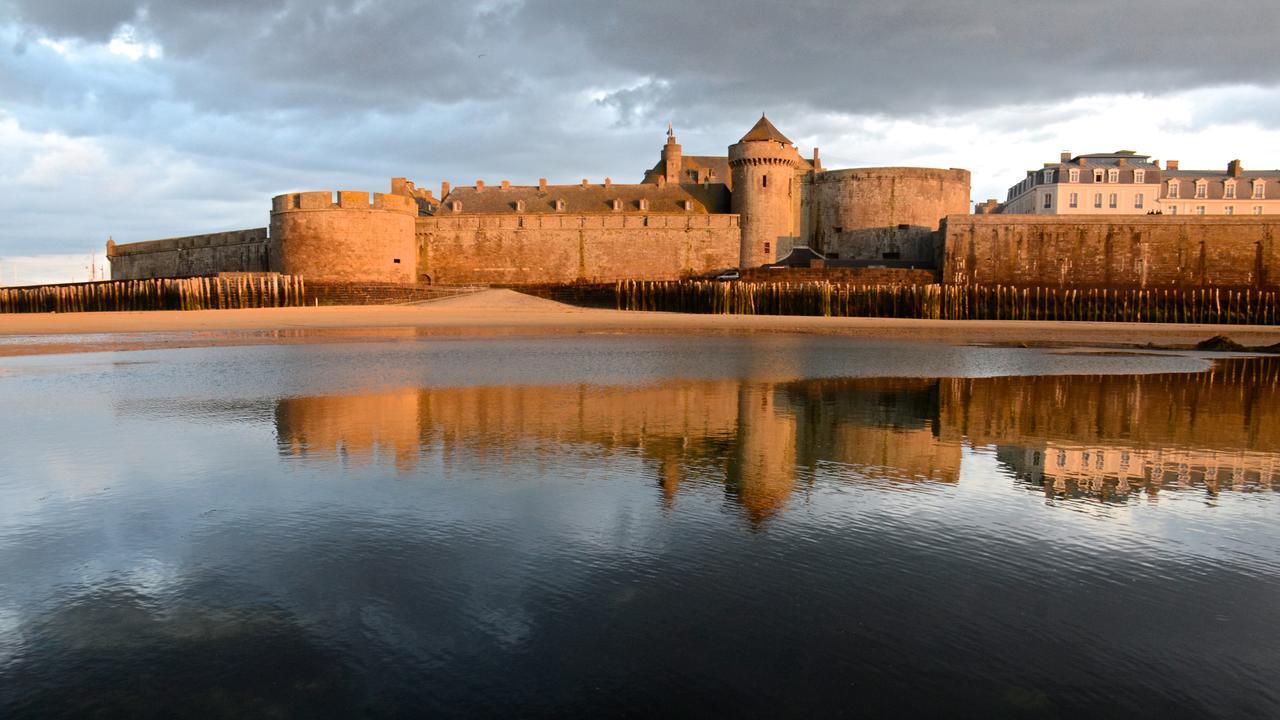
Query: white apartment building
[(1126, 183)]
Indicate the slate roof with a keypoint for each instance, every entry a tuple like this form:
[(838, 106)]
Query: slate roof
[(764, 131), (593, 198)]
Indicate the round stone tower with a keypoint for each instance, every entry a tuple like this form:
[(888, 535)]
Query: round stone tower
[(345, 236), (766, 193)]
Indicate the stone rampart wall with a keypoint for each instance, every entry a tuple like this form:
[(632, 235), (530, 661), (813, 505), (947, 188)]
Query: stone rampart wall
[(233, 251), (1141, 251), (883, 212), (344, 237), (513, 249)]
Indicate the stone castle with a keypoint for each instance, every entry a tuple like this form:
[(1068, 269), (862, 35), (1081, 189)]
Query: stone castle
[(690, 215), (760, 204)]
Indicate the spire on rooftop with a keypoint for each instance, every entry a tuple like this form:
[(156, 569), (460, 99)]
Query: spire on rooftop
[(764, 131)]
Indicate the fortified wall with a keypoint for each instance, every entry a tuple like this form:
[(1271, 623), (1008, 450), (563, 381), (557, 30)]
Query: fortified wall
[(883, 213), (345, 236), (1142, 251), (555, 248), (233, 251)]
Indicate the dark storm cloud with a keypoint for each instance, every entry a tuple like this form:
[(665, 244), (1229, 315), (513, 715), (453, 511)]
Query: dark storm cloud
[(899, 57)]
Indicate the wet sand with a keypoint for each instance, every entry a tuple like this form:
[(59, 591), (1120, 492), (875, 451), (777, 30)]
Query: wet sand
[(504, 312)]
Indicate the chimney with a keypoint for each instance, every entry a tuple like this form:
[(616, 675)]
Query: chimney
[(585, 183), (444, 189), (1080, 161), (1171, 165), (506, 184), (1234, 168), (427, 194), (817, 160), (608, 182), (479, 186), (542, 184), (1064, 157)]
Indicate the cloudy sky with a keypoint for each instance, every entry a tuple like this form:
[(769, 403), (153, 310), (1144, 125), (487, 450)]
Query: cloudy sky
[(138, 120)]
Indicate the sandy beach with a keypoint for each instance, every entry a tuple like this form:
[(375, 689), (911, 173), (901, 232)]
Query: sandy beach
[(504, 312)]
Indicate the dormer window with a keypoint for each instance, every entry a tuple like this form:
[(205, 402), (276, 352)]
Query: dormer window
[(1173, 188), (687, 205), (1229, 190), (1113, 176), (520, 206), (1047, 176), (1073, 176), (559, 205), (617, 205), (1097, 175), (456, 206), (1139, 176), (644, 203), (1259, 189), (1202, 189)]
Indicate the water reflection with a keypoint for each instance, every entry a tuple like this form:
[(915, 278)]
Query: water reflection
[(1099, 436)]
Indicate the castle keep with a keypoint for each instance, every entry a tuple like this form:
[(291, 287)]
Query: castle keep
[(690, 215)]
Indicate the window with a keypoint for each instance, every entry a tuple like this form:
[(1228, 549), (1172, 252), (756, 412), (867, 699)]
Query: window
[(1139, 176), (1138, 200), (764, 181), (766, 248), (1173, 209), (1073, 176), (1173, 188), (1047, 177), (1259, 189), (1097, 200), (1097, 175), (1048, 200), (837, 229), (1230, 210), (1229, 191), (1202, 190), (1113, 176), (1114, 201), (1074, 200), (1199, 209), (395, 260), (1257, 209)]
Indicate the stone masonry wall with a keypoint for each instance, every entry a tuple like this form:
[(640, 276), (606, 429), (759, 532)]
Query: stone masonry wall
[(512, 249), (883, 212), (353, 237), (1142, 251), (233, 251)]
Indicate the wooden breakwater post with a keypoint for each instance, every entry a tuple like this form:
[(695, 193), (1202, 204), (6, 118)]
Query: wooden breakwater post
[(954, 302), (195, 293)]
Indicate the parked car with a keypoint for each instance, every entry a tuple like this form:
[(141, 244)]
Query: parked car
[(728, 275)]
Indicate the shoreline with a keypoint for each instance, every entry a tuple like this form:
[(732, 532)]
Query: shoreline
[(504, 313)]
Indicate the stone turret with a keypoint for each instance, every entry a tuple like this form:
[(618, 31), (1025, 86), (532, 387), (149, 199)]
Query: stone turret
[(766, 193), (671, 157)]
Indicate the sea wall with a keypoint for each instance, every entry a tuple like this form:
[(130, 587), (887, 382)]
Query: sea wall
[(210, 254), (1143, 251), (516, 249), (345, 236), (883, 212)]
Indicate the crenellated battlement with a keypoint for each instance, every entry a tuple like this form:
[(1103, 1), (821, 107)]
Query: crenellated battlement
[(343, 200)]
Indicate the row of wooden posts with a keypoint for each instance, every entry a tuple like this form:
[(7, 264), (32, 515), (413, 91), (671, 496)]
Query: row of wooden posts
[(954, 302), (197, 293)]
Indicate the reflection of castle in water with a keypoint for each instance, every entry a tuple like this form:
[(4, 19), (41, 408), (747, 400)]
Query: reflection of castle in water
[(1098, 435), (756, 438)]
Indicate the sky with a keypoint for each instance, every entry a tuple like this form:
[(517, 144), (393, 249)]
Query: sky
[(140, 120)]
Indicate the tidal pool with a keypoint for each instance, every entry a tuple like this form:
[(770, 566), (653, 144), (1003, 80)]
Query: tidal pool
[(656, 526)]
